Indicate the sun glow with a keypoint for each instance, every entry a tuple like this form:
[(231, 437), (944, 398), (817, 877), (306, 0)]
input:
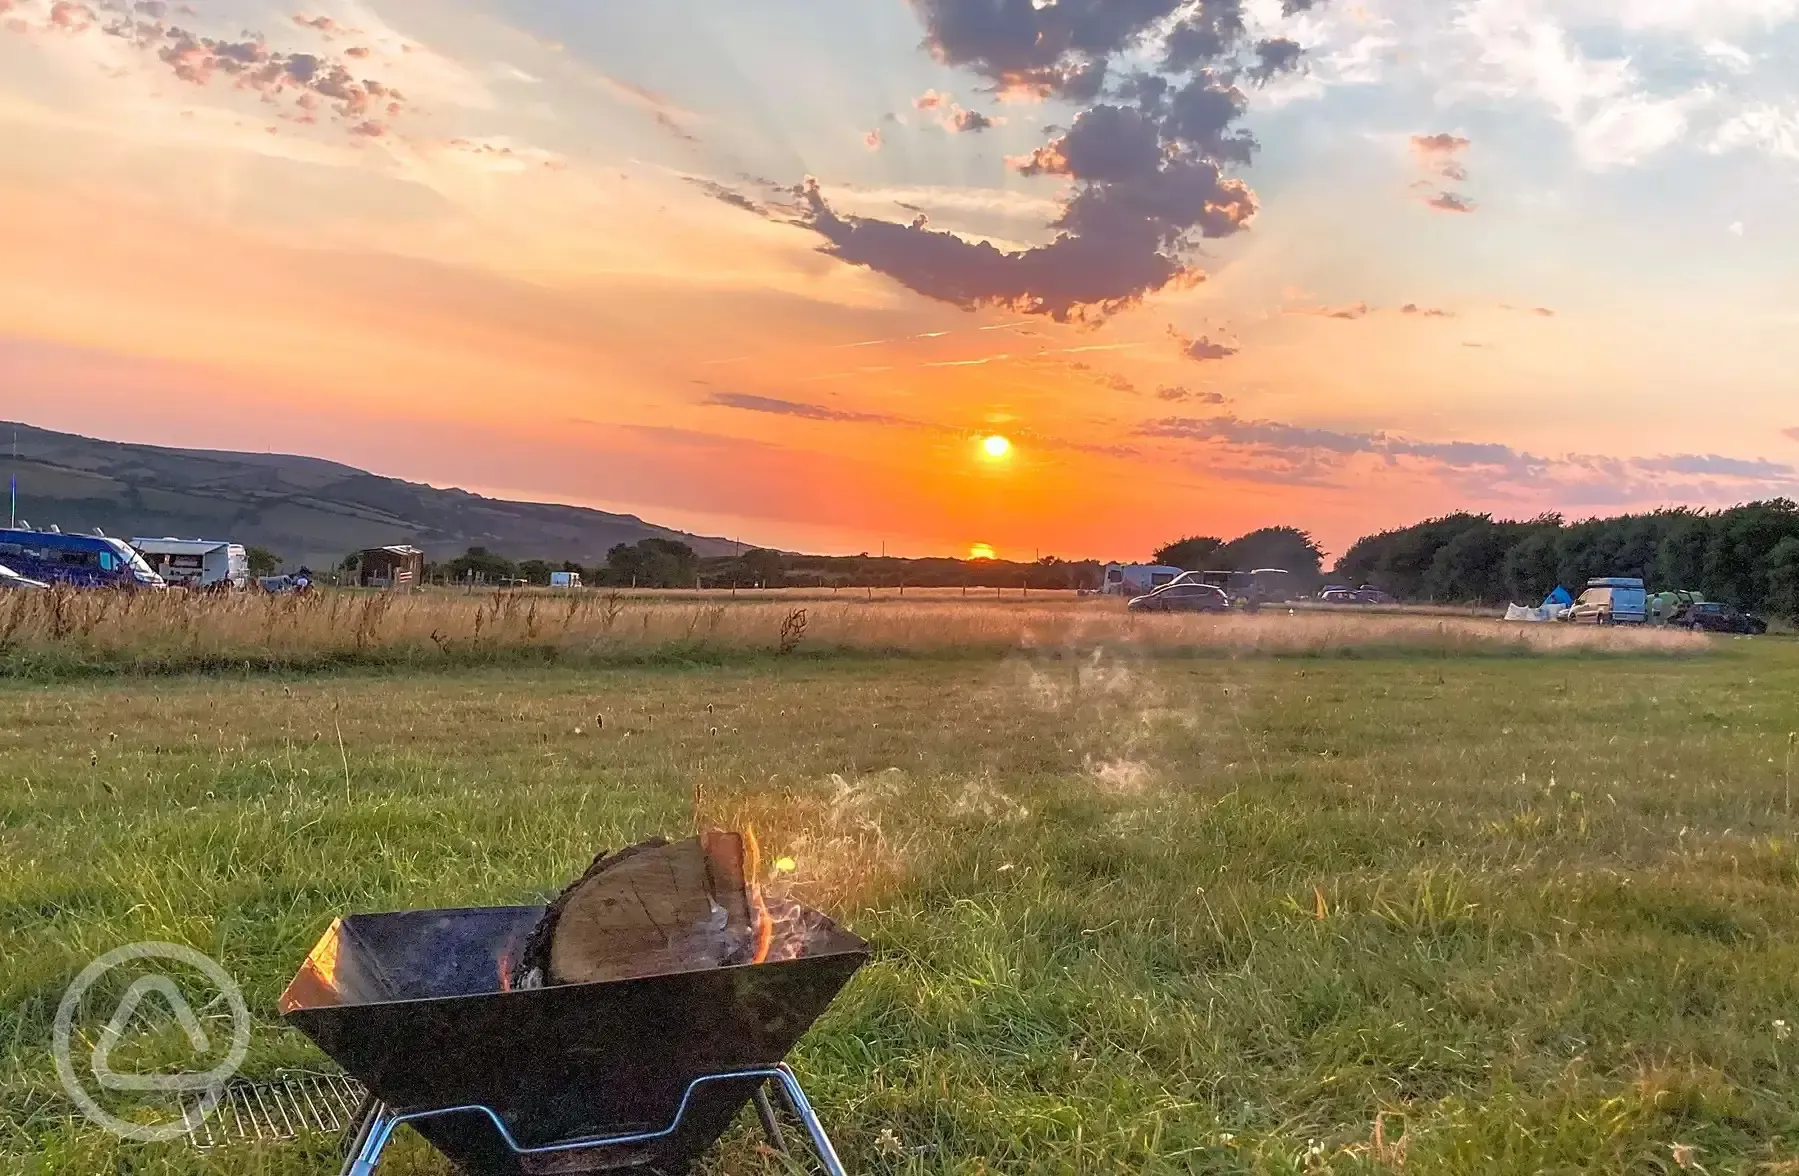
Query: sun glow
[(996, 447), (982, 551)]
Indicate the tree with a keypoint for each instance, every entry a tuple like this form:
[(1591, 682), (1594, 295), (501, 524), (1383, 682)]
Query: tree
[(537, 571), (652, 563), (262, 561), (1191, 553), (762, 566), (1783, 580), (480, 563), (1274, 547)]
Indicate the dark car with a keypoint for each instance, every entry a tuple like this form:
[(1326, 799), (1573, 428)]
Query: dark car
[(1707, 616), (1187, 597)]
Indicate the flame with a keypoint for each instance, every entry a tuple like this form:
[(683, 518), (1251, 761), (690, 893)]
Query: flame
[(764, 926), (506, 969)]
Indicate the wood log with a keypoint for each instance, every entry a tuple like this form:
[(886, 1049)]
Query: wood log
[(648, 910)]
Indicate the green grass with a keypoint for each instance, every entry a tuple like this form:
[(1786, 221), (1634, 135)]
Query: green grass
[(1132, 914)]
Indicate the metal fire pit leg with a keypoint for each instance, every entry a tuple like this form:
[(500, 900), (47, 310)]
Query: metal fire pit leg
[(381, 1122), (795, 1098), (371, 1138), (771, 1126)]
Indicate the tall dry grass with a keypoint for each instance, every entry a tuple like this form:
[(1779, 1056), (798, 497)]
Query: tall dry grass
[(72, 632)]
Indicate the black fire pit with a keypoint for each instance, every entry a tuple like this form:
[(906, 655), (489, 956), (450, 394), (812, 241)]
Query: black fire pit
[(642, 1074)]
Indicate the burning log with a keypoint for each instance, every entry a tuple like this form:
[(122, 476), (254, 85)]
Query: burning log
[(657, 908)]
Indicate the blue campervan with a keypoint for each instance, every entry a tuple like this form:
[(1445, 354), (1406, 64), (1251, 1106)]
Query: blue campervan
[(84, 561)]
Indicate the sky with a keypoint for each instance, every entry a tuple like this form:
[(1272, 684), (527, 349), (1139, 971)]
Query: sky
[(778, 270)]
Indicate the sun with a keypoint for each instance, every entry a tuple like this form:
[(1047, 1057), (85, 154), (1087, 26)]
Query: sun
[(996, 447), (982, 550)]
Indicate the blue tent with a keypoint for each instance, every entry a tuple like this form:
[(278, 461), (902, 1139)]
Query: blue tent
[(1559, 598)]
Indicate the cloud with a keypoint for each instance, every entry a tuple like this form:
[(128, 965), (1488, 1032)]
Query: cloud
[(1791, 434), (1542, 312), (1203, 348), (951, 115), (1181, 393), (727, 195), (363, 105), (969, 120), (873, 140), (1280, 451), (795, 408), (1146, 166), (1426, 311), (1353, 310), (1711, 463), (1441, 153)]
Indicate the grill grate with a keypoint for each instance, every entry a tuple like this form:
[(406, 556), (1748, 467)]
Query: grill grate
[(283, 1108)]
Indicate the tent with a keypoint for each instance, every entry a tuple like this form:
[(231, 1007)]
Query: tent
[(1558, 599)]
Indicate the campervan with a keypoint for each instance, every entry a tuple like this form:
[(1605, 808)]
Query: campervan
[(1135, 579), (197, 563), (83, 561)]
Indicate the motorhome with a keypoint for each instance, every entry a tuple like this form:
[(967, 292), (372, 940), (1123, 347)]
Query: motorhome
[(83, 561), (1135, 579), (197, 563)]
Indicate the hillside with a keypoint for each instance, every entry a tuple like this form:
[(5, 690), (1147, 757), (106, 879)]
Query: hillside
[(304, 508)]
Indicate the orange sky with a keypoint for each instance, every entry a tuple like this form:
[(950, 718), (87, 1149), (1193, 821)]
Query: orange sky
[(533, 254)]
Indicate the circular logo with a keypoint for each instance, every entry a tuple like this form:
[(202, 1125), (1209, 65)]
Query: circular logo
[(208, 1085)]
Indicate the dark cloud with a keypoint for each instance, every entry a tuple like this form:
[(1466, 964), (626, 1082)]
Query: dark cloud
[(249, 62), (729, 196), (1203, 348), (1147, 164), (796, 408), (1542, 311), (969, 120), (1451, 202), (1277, 56), (1426, 311)]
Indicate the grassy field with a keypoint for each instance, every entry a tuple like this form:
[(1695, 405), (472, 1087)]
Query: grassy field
[(69, 634), (1138, 908)]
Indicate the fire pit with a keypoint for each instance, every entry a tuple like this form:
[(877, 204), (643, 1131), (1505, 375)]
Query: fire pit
[(642, 1073)]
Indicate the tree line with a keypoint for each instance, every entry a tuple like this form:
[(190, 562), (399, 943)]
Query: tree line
[(1747, 556)]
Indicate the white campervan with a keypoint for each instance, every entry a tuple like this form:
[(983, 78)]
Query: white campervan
[(197, 563), (1135, 579)]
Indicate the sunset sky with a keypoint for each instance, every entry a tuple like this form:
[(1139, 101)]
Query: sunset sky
[(776, 269)]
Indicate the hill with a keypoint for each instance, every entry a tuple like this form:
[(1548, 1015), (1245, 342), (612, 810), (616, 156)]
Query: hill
[(304, 508)]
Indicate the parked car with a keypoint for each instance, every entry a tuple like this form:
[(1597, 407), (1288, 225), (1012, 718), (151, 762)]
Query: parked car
[(1362, 595), (1183, 598), (10, 579), (1707, 616), (1611, 600)]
